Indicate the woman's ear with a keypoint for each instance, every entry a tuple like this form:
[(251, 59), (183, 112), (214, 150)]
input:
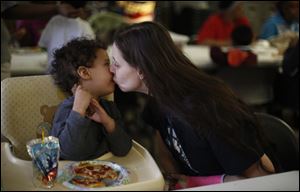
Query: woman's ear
[(140, 74), (84, 72)]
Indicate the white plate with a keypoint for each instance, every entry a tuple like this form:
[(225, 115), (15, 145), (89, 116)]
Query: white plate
[(67, 174)]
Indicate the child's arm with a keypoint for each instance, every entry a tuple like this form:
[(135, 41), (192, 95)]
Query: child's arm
[(82, 99), (72, 130), (99, 115), (72, 127), (118, 141)]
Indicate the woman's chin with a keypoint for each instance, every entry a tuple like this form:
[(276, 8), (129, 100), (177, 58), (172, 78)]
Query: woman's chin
[(123, 89)]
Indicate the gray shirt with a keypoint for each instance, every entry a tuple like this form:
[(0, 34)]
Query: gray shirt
[(83, 139)]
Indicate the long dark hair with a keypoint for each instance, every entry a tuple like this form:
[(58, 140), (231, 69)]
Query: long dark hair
[(197, 99)]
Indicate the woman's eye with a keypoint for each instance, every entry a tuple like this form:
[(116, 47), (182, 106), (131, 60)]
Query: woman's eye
[(115, 65)]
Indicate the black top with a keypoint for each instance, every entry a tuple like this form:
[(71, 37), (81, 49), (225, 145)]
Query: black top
[(201, 155)]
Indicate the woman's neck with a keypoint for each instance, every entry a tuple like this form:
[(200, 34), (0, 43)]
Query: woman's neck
[(143, 89)]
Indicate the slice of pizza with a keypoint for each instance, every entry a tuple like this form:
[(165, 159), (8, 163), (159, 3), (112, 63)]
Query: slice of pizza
[(87, 182), (92, 175)]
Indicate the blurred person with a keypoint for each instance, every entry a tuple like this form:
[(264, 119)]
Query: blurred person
[(61, 29), (282, 29), (118, 15), (28, 32), (136, 11), (285, 19), (240, 53), (105, 24), (216, 30), (86, 125), (207, 130), (13, 10), (287, 87)]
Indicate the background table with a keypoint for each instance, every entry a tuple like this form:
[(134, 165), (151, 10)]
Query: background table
[(200, 56), (35, 63), (28, 63)]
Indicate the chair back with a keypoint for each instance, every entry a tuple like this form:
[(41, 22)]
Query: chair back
[(27, 105), (254, 85), (282, 141)]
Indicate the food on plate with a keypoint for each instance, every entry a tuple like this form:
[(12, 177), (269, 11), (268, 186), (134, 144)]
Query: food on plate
[(93, 175)]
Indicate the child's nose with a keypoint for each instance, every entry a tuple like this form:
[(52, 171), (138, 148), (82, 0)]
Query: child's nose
[(112, 69)]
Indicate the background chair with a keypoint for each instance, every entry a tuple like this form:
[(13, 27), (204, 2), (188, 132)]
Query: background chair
[(27, 103), (254, 85), (282, 140)]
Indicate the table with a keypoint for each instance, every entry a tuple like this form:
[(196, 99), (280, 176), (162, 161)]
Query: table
[(288, 181), (29, 63), (200, 56), (35, 63), (16, 174)]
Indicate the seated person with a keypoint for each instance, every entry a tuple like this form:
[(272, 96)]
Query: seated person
[(87, 126), (286, 87), (282, 29), (136, 11), (239, 54), (216, 31), (28, 32), (285, 19), (60, 30), (105, 24)]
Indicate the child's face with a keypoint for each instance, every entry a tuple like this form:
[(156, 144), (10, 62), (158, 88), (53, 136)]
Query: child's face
[(101, 82)]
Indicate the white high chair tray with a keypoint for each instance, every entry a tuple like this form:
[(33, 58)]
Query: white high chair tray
[(16, 174)]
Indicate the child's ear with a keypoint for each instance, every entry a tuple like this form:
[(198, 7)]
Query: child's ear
[(83, 72)]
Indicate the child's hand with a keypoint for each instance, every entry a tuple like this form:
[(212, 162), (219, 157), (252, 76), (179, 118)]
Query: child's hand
[(82, 100), (101, 116)]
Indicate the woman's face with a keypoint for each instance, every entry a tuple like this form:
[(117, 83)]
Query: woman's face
[(127, 77)]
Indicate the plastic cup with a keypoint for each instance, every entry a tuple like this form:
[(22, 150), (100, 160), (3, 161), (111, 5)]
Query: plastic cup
[(45, 155)]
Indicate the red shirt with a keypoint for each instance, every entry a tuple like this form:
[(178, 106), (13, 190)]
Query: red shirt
[(215, 27)]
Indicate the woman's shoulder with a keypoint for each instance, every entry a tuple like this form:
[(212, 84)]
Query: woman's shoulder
[(152, 112)]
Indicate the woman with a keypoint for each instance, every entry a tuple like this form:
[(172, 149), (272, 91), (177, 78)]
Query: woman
[(208, 131)]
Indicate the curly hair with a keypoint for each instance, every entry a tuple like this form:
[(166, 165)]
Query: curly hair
[(77, 52)]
